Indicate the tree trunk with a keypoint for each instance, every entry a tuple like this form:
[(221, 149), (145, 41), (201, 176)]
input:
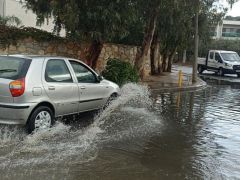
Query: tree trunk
[(170, 61), (165, 61), (184, 56), (93, 53), (143, 53), (159, 63), (153, 55)]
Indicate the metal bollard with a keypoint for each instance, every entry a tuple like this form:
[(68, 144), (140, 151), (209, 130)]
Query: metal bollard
[(180, 78)]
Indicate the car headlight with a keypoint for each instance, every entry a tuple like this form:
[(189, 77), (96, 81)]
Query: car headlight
[(228, 65)]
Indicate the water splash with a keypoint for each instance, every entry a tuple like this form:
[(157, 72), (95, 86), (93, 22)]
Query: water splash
[(127, 117), (130, 94)]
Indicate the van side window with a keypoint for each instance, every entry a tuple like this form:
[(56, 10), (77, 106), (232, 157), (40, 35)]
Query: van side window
[(84, 75), (218, 57), (57, 71), (211, 55)]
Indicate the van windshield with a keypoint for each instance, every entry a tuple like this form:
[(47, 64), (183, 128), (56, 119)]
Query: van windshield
[(230, 56), (13, 68)]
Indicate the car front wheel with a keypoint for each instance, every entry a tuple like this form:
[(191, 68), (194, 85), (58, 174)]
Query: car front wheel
[(41, 118)]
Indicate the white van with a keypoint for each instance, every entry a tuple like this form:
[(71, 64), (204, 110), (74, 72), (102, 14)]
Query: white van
[(221, 62)]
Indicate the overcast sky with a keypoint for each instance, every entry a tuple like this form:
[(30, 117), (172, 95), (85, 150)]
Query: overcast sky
[(235, 11)]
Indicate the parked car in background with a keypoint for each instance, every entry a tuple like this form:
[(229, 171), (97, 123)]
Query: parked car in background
[(221, 62), (34, 90)]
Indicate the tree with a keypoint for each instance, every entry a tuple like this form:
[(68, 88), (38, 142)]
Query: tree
[(10, 20), (161, 27), (95, 21), (151, 10), (172, 30)]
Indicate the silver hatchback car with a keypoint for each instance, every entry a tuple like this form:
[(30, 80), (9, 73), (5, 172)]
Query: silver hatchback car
[(34, 90)]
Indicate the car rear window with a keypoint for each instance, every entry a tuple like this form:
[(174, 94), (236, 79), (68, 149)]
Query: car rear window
[(13, 68)]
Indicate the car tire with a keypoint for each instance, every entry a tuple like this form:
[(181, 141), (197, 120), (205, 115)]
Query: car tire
[(220, 72), (41, 118), (200, 69), (110, 99), (238, 75)]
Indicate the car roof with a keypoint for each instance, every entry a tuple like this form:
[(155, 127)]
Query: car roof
[(25, 56), (33, 56)]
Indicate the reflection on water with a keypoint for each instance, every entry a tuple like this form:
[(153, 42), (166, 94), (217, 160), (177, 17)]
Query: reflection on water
[(186, 135)]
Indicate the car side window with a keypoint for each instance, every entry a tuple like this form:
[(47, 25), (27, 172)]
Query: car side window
[(57, 71), (83, 74), (211, 55), (217, 57)]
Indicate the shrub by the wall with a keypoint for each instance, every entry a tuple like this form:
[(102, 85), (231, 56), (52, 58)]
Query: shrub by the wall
[(120, 72)]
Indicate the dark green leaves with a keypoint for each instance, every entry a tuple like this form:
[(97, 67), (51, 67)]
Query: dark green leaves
[(120, 72)]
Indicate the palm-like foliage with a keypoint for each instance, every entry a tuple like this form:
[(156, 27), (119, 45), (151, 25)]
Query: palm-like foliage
[(10, 20)]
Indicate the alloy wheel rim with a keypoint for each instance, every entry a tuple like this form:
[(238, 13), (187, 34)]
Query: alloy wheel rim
[(43, 120)]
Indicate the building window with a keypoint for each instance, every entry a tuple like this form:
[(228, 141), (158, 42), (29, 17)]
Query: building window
[(229, 32)]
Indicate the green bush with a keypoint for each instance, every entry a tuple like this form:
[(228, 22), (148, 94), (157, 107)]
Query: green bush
[(120, 72), (11, 35)]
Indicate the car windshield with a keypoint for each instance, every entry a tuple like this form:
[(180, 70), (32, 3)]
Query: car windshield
[(230, 56), (13, 68)]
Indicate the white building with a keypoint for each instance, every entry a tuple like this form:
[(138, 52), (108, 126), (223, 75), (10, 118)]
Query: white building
[(27, 17), (227, 30)]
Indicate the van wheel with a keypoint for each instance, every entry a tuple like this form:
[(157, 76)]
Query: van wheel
[(200, 69), (41, 118), (220, 72)]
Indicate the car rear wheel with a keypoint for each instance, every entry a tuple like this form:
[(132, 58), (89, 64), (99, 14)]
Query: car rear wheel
[(41, 118), (238, 75)]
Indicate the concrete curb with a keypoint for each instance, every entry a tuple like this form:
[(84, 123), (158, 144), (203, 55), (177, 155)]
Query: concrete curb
[(197, 86), (224, 80)]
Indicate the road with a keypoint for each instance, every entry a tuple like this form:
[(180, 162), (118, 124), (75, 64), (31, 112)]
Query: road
[(183, 135)]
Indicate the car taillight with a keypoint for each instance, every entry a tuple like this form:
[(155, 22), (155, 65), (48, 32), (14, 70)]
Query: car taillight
[(17, 87)]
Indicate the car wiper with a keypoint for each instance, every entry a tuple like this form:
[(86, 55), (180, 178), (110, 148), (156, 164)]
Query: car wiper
[(7, 70)]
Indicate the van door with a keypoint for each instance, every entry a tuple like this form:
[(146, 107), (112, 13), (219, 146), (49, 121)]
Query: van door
[(218, 60), (60, 87), (211, 60)]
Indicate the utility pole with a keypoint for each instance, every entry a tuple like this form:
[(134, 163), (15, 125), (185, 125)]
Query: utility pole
[(196, 39)]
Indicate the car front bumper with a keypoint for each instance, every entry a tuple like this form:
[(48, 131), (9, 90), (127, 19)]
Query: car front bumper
[(15, 113)]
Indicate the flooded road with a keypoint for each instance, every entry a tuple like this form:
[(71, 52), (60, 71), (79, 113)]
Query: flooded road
[(142, 135)]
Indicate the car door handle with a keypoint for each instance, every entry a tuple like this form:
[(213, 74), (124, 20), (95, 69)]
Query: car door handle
[(51, 88), (82, 87)]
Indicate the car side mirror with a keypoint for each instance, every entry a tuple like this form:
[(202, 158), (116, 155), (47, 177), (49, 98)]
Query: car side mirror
[(100, 78), (220, 61)]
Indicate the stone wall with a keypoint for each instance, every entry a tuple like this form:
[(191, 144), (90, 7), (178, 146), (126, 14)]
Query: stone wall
[(54, 48), (74, 50), (120, 51)]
